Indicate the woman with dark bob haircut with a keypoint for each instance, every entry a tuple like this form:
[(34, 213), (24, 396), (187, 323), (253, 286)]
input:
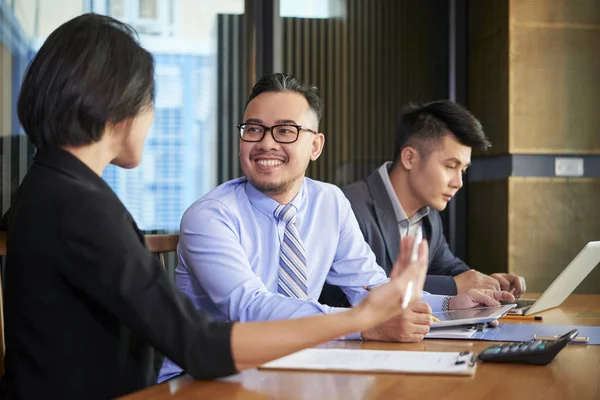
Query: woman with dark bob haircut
[(85, 301)]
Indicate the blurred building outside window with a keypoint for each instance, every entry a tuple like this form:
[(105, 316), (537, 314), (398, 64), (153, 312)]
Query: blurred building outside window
[(179, 154)]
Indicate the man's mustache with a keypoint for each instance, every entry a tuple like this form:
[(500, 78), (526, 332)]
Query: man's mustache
[(269, 154)]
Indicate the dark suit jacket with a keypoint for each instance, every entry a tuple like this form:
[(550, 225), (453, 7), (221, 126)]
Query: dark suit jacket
[(85, 302), (375, 214), (377, 220)]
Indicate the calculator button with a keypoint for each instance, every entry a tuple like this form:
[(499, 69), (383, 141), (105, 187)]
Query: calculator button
[(534, 345), (492, 350)]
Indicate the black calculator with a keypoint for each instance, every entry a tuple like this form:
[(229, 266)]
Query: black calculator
[(539, 352)]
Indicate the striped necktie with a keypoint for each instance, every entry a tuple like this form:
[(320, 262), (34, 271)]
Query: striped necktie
[(292, 280)]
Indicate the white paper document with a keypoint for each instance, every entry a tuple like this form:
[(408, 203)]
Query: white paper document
[(419, 362)]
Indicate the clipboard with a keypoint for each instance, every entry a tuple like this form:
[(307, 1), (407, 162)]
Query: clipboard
[(378, 361)]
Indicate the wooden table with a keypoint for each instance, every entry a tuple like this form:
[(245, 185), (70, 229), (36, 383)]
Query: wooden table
[(573, 374)]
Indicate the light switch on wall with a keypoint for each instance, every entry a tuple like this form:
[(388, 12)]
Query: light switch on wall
[(568, 166)]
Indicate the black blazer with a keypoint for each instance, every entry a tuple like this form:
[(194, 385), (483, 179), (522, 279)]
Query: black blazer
[(85, 301)]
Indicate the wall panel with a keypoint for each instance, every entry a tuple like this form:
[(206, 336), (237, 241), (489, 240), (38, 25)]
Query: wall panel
[(367, 65)]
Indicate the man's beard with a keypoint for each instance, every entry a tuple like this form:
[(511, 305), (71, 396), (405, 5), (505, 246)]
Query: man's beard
[(271, 187)]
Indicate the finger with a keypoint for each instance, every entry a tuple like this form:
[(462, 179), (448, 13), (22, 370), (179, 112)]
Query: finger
[(504, 296), (420, 329), (421, 307), (402, 261), (422, 319), (493, 323), (501, 295), (518, 283), (424, 265), (406, 245), (484, 297), (415, 338), (523, 284), (505, 284), (424, 253)]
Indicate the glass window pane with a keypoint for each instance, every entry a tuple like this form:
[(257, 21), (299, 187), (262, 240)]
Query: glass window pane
[(116, 8), (311, 8), (148, 9), (179, 164)]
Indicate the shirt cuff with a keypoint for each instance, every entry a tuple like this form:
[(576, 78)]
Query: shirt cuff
[(352, 336), (435, 301)]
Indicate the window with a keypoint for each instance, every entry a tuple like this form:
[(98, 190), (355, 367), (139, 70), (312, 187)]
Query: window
[(177, 168), (312, 8)]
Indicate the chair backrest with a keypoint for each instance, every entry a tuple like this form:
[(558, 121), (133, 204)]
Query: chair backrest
[(2, 253), (161, 244)]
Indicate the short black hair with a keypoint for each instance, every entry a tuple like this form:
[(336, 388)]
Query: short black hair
[(422, 125), (280, 82), (89, 72)]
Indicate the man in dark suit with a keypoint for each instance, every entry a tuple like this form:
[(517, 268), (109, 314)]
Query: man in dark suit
[(433, 146)]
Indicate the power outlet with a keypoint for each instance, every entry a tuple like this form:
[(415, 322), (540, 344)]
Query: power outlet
[(568, 166)]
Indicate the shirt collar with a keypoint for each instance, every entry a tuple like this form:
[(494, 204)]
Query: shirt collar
[(398, 210), (267, 205)]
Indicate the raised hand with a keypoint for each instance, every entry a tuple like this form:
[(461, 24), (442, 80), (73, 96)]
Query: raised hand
[(384, 302)]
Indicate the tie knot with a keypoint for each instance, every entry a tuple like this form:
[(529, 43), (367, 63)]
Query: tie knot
[(286, 213)]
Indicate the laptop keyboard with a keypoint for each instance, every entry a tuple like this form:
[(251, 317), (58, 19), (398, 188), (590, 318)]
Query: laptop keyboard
[(520, 303)]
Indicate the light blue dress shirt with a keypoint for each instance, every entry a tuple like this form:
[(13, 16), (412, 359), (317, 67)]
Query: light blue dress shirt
[(228, 254)]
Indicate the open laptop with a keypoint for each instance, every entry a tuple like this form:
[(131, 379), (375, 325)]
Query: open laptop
[(564, 284)]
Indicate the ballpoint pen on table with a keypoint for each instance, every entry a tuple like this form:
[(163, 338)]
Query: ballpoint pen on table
[(523, 317)]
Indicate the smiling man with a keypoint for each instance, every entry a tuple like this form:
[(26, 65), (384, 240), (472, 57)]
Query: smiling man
[(432, 151), (261, 247)]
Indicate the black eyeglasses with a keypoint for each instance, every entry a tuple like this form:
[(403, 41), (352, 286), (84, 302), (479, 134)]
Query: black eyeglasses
[(285, 133)]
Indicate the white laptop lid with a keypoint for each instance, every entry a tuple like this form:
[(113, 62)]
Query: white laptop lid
[(569, 279)]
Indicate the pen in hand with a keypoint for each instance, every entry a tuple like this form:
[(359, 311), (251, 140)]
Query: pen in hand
[(414, 257)]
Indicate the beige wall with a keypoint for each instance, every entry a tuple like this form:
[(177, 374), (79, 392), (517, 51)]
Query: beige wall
[(534, 79), (554, 78)]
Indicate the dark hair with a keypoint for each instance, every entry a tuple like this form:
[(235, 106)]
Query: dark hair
[(279, 82), (422, 125), (89, 72)]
